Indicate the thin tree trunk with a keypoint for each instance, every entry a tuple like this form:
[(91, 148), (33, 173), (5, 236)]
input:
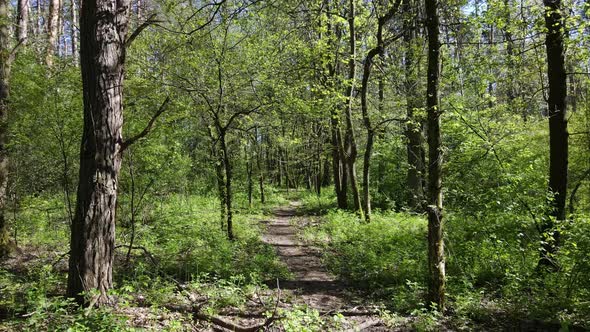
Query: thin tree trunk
[(5, 64), (249, 179), (326, 173), (39, 21), (228, 184), (350, 140), (338, 162), (103, 32), (219, 172), (415, 125), (378, 50), (52, 31), (558, 135), (259, 165), (74, 30), (510, 56), (436, 258), (23, 21), (133, 208)]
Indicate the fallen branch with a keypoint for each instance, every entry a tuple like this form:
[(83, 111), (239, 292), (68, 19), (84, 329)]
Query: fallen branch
[(365, 325), (197, 315), (145, 251), (229, 325), (60, 258)]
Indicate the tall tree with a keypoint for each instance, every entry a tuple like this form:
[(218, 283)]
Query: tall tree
[(350, 147), (22, 23), (103, 32), (4, 94), (333, 33), (7, 54), (436, 257), (415, 124), (52, 30), (74, 29), (558, 135), (378, 50)]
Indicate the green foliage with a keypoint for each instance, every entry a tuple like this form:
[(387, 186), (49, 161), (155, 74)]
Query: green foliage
[(33, 297), (491, 265), (381, 255), (185, 234), (305, 319)]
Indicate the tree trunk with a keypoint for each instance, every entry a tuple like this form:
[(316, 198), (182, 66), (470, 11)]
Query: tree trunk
[(415, 125), (22, 23), (350, 140), (558, 135), (250, 184), (103, 32), (5, 64), (259, 165), (368, 126), (326, 173), (378, 50), (436, 258), (38, 28), (338, 162), (219, 173), (52, 31), (73, 30), (228, 184)]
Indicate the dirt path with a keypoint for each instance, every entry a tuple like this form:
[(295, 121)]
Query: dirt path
[(312, 285)]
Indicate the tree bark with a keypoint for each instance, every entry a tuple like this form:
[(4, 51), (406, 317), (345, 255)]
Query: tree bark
[(249, 180), (379, 50), (558, 134), (74, 30), (5, 64), (415, 124), (219, 173), (103, 31), (259, 157), (228, 183), (350, 140), (52, 31), (22, 23), (338, 162), (436, 258)]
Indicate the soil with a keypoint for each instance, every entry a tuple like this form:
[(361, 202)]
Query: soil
[(312, 285)]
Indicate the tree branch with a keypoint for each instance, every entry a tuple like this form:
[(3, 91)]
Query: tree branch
[(151, 20), (147, 129)]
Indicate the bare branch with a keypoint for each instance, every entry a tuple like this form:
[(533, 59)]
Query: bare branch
[(147, 129), (151, 20)]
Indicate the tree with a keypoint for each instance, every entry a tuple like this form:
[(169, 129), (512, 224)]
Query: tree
[(52, 30), (7, 55), (103, 33), (436, 257), (558, 135), (415, 124), (22, 21), (74, 29), (350, 146), (378, 50)]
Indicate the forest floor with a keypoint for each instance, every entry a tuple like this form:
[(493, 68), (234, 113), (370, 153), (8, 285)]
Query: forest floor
[(311, 285)]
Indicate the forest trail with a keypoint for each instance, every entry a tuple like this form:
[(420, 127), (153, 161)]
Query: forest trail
[(312, 285)]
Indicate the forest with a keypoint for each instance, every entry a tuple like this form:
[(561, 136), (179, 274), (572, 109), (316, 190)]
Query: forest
[(294, 165)]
